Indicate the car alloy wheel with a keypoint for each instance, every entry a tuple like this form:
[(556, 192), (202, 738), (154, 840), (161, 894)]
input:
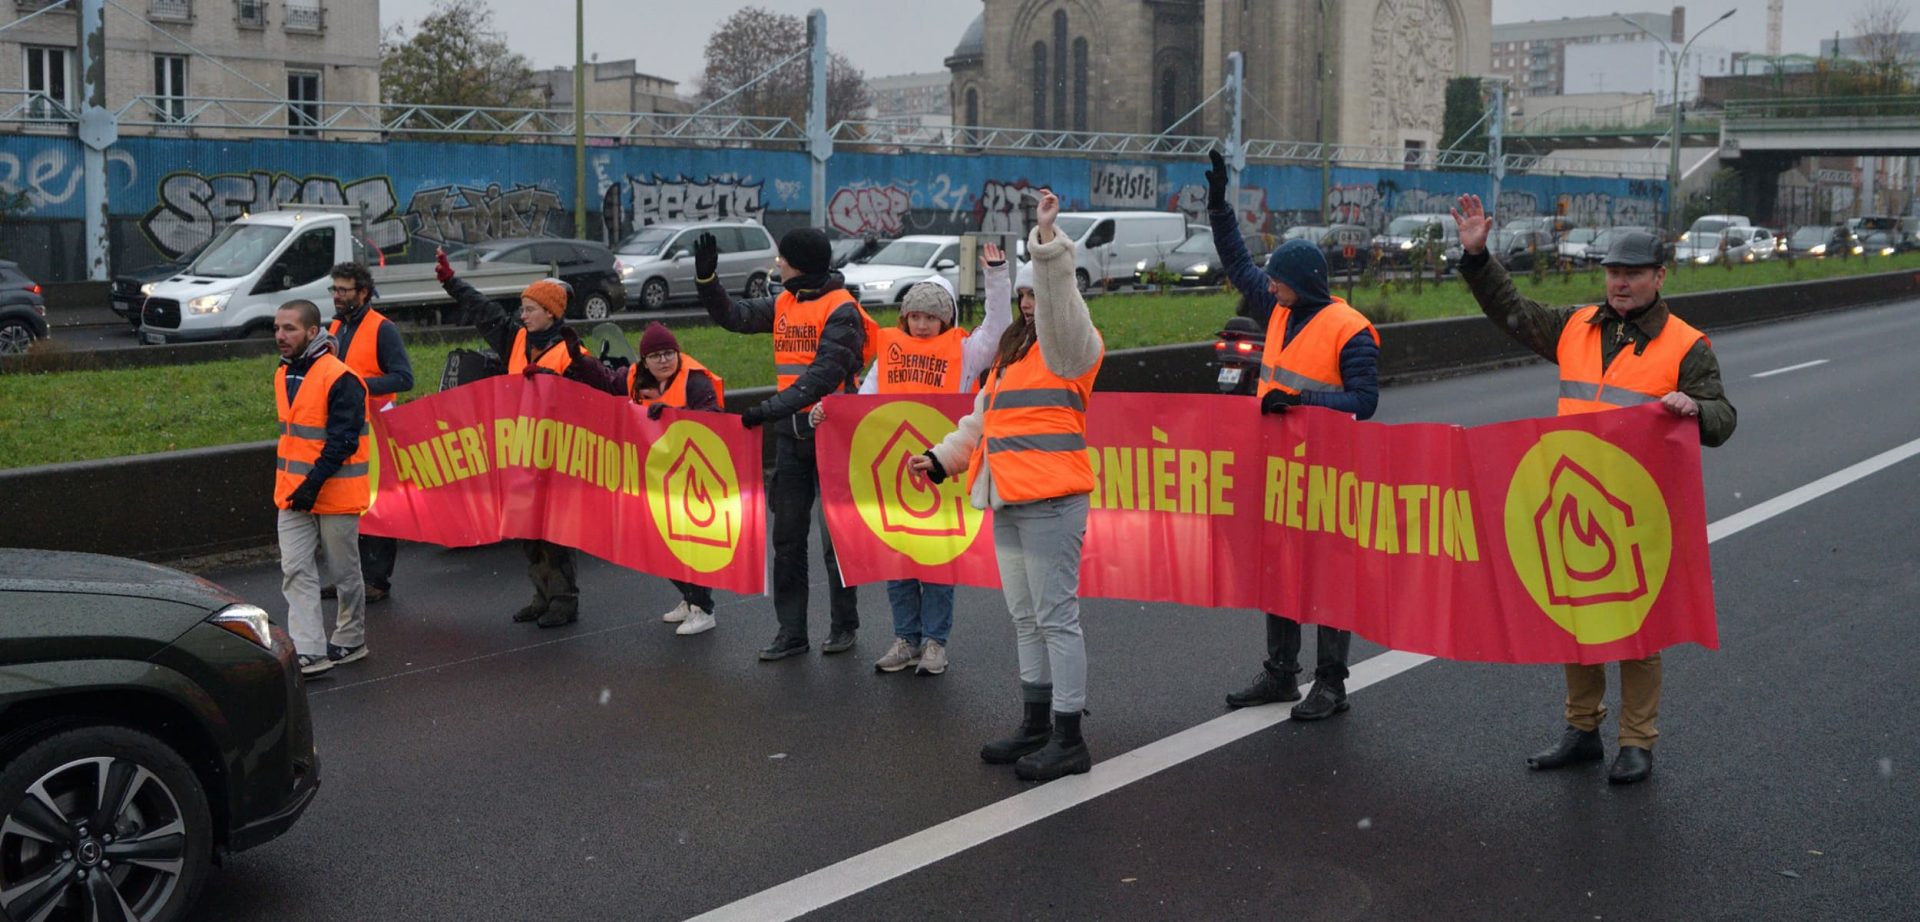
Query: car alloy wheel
[(101, 836), (597, 306), (757, 286), (15, 338), (653, 295), (1081, 279)]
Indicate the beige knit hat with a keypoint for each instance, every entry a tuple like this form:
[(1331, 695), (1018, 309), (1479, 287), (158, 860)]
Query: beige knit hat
[(933, 297)]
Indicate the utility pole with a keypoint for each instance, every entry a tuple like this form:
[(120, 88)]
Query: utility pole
[(1496, 140), (1673, 141), (1320, 124), (98, 130), (819, 137), (580, 121), (1236, 116)]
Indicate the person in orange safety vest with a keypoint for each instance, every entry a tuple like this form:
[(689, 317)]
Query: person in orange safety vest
[(370, 344)]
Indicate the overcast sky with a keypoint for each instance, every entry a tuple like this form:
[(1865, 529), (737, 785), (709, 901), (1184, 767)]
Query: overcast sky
[(885, 37)]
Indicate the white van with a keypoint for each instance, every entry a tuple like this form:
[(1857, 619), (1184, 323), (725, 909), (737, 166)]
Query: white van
[(1110, 243), (1714, 224)]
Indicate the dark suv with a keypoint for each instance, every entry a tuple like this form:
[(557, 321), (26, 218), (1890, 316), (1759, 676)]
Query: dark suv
[(149, 720), (23, 310), (588, 267)]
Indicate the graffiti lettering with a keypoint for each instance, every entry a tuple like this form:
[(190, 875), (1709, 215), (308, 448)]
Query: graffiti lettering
[(51, 177), (1125, 186), (1515, 204), (878, 210), (1374, 204), (657, 199), (193, 208), (1191, 201), (447, 215), (999, 208)]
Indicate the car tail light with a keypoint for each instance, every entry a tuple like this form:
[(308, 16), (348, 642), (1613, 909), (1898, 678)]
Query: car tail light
[(246, 621), (34, 288), (1219, 346), (1243, 346)]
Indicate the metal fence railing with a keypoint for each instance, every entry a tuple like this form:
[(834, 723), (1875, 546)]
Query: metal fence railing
[(1748, 111)]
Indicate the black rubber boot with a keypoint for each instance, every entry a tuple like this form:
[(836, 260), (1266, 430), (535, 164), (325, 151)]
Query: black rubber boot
[(1065, 753), (1029, 738), (530, 612), (1575, 746), (1634, 763), (561, 612)]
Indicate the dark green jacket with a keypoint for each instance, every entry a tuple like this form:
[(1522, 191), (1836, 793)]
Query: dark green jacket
[(1538, 327)]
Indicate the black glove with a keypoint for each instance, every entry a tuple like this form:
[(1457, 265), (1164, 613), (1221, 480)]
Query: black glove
[(938, 473), (1217, 182), (1277, 401), (531, 370), (304, 496), (655, 409), (706, 257), (753, 415)]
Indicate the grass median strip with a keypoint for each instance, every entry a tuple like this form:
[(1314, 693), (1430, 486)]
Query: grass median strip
[(83, 415)]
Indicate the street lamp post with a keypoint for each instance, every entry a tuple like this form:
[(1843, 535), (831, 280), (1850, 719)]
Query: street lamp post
[(1673, 140)]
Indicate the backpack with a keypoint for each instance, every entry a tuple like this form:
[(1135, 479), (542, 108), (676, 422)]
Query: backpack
[(465, 366)]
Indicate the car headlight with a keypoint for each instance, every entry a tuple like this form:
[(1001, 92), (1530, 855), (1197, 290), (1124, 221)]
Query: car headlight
[(211, 304), (146, 290), (1683, 237), (1703, 260), (1886, 251), (1140, 266), (1406, 244), (1856, 251), (1200, 269), (1819, 250), (882, 285), (246, 621)]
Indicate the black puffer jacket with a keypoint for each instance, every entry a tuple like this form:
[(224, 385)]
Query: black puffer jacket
[(836, 363)]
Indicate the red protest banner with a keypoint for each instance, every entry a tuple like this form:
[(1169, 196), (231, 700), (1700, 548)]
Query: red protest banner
[(510, 457), (1578, 539)]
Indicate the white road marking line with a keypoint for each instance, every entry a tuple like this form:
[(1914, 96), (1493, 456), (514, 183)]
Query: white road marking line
[(900, 857), (1782, 371)]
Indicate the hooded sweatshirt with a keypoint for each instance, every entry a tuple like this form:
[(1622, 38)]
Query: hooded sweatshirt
[(346, 408), (1302, 267)]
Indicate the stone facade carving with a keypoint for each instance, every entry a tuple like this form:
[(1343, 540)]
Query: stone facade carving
[(1413, 54)]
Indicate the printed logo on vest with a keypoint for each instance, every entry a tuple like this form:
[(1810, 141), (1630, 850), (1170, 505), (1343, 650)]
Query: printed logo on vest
[(930, 523), (914, 368), (1588, 534), (694, 495)]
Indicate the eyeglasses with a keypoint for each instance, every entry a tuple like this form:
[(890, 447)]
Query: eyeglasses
[(350, 289), (662, 355)]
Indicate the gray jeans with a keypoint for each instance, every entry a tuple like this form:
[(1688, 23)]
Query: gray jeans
[(1038, 545), (303, 538)]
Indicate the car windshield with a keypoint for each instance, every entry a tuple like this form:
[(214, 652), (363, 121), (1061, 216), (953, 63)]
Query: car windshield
[(1408, 227), (1582, 235), (1811, 236), (1074, 228), (647, 241), (1201, 242), (238, 250), (1705, 241), (1302, 232), (1710, 226), (905, 253)]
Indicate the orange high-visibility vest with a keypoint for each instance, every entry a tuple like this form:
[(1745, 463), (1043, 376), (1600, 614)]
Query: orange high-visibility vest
[(303, 433), (676, 393), (558, 358), (363, 356), (1311, 362), (1629, 380), (1034, 432), (910, 365), (796, 333)]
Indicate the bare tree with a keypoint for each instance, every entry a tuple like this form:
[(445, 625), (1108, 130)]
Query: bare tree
[(1880, 29), (455, 57), (753, 40)]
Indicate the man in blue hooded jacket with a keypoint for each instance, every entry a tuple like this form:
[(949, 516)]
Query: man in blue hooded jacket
[(1295, 281)]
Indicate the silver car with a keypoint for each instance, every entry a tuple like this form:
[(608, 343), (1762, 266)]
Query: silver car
[(656, 261)]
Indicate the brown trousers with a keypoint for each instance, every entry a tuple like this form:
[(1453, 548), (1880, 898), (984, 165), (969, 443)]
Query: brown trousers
[(1639, 699)]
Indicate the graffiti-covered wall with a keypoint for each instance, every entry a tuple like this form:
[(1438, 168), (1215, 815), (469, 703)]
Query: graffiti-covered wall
[(169, 195)]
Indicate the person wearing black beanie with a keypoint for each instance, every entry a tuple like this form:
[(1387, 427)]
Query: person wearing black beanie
[(1320, 352), (821, 341)]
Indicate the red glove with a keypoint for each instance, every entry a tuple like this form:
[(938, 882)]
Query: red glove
[(442, 269)]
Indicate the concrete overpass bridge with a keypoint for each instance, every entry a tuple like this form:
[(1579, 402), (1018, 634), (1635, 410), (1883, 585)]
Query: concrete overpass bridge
[(1767, 130)]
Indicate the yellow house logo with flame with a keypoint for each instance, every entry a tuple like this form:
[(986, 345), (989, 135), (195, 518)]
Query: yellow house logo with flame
[(1588, 534), (694, 495), (930, 523)]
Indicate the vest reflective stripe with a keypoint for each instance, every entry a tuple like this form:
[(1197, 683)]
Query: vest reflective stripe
[(911, 365), (1311, 362), (797, 326), (363, 355), (303, 426), (557, 357), (676, 394), (1034, 432), (1629, 380)]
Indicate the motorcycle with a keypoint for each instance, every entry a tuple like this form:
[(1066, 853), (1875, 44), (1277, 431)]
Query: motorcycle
[(1236, 356)]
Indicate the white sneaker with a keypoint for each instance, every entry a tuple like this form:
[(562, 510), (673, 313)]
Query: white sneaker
[(678, 614), (933, 658), (898, 657), (698, 621)]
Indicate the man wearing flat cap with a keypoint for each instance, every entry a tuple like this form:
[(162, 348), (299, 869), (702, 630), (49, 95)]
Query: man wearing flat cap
[(1626, 351)]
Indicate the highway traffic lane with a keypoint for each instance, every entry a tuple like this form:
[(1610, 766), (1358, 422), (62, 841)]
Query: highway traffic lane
[(866, 759)]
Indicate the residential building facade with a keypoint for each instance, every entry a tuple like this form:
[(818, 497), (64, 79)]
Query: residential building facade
[(1532, 55)]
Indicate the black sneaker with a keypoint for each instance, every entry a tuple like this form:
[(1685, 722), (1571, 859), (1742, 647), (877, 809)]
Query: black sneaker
[(783, 647), (313, 664), (838, 642), (343, 655), (1266, 689), (329, 592), (1327, 699)]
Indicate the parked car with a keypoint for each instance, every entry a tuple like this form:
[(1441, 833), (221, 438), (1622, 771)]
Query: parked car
[(1556, 226), (1597, 248), (1714, 224), (23, 310), (1734, 245), (657, 260), (885, 277), (1196, 261), (1519, 250), (586, 265), (1573, 246), (1812, 241), (149, 722), (1333, 240), (130, 289), (1109, 244), (1753, 244), (1881, 243), (856, 249), (1397, 242)]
